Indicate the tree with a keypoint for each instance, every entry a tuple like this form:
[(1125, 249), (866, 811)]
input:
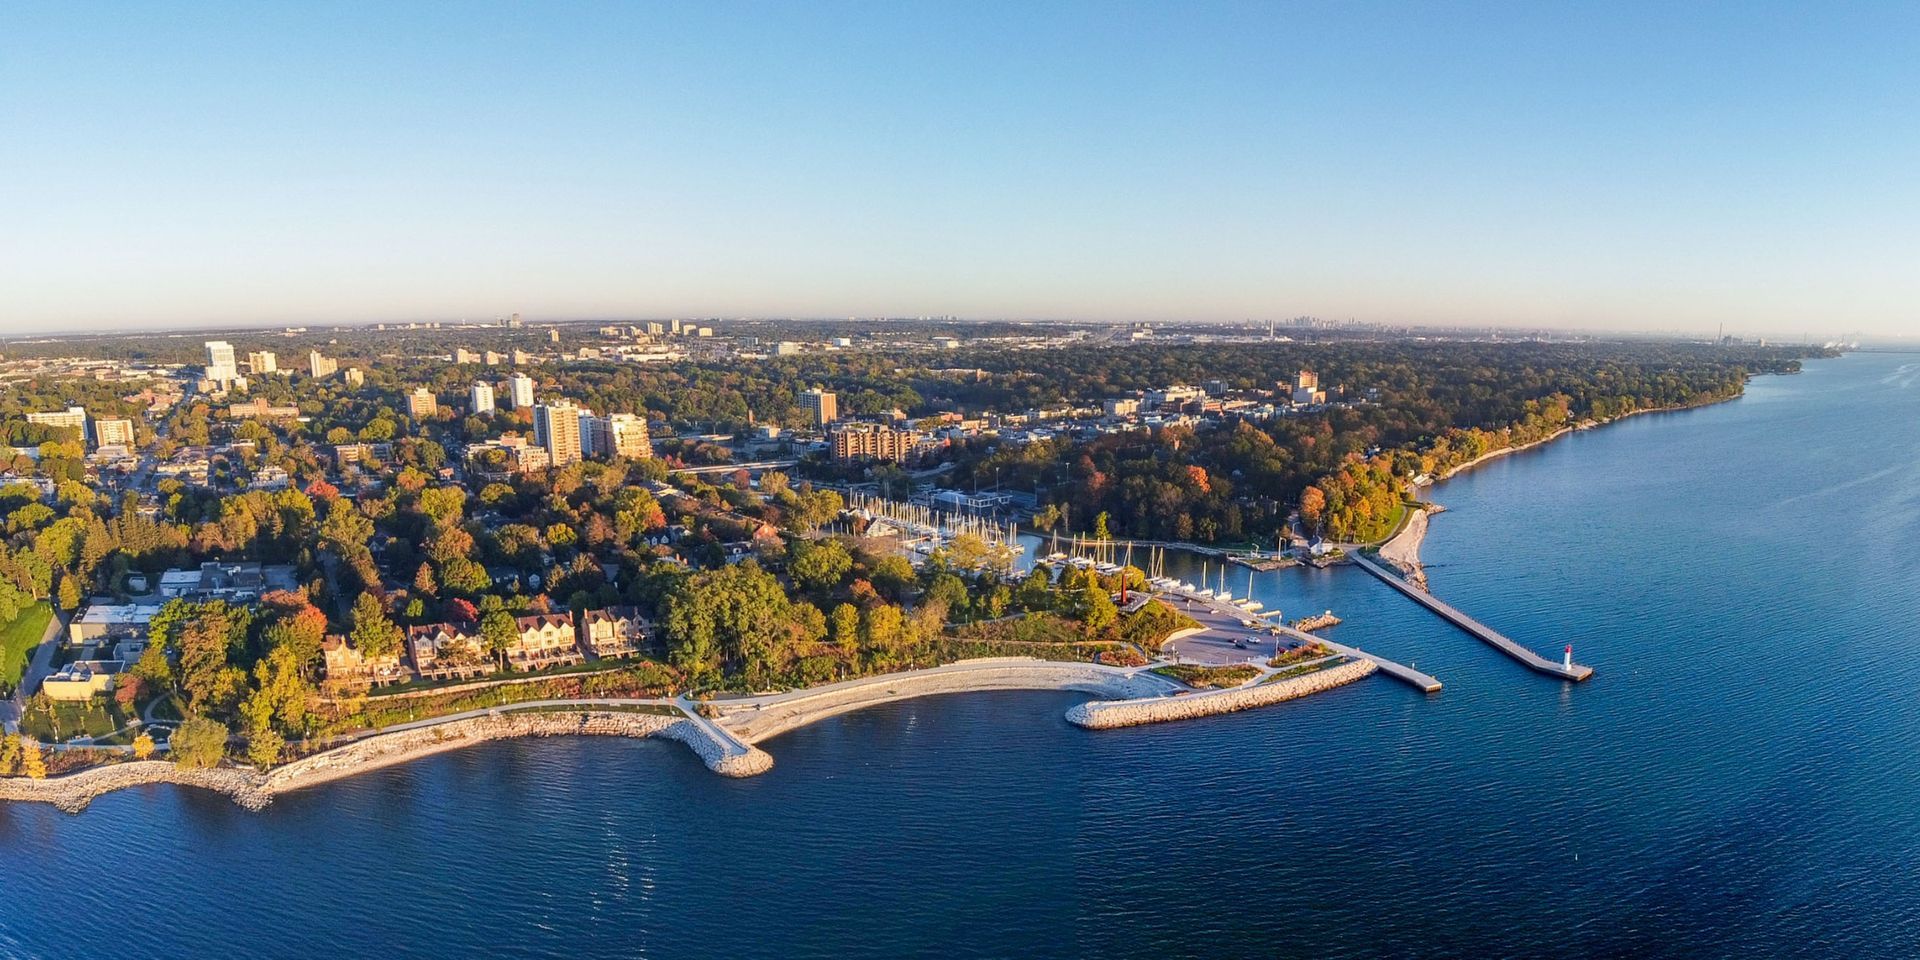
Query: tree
[(423, 583), (1313, 505), (33, 763), (142, 746), (737, 615), (894, 575), (264, 746), (819, 565), (498, 629), (1035, 592), (373, 634), (882, 632), (199, 743), (948, 590), (202, 647), (844, 627), (1096, 608)]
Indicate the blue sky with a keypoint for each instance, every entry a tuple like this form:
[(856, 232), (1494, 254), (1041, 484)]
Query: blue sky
[(1608, 165)]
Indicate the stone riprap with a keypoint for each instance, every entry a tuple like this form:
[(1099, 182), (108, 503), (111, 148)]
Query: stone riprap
[(1108, 714), (756, 719)]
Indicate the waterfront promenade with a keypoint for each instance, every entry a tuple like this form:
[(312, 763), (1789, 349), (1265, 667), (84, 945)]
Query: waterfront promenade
[(1574, 672)]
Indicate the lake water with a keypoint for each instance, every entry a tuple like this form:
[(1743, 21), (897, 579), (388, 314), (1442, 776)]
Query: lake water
[(1740, 778)]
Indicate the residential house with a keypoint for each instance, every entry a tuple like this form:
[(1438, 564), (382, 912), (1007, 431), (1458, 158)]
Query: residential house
[(445, 651), (546, 640), (348, 668), (614, 632)]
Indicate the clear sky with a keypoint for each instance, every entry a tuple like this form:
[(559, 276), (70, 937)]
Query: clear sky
[(1607, 165)]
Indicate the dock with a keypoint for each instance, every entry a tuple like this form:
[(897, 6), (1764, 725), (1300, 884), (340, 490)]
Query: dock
[(1565, 671)]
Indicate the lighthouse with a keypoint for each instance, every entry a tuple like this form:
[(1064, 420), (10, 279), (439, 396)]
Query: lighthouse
[(1568, 662)]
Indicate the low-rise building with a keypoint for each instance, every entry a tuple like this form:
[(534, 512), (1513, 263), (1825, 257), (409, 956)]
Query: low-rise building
[(81, 680), (506, 456), (447, 651), (348, 668), (259, 409), (111, 622), (614, 632), (238, 582), (546, 640)]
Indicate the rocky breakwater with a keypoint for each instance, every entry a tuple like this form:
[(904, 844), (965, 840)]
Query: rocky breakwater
[(74, 791), (1109, 714), (722, 755)]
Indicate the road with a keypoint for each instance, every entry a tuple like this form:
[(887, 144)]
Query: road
[(1224, 629)]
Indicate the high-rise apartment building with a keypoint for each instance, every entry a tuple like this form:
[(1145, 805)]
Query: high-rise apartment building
[(421, 403), (520, 391), (482, 397), (823, 406), (556, 426), (113, 432), (321, 366), (620, 435), (72, 417), (262, 362), (861, 441), (221, 368)]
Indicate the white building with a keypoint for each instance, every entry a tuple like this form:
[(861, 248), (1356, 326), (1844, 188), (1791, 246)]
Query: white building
[(74, 417), (520, 391), (482, 395), (221, 368), (263, 361)]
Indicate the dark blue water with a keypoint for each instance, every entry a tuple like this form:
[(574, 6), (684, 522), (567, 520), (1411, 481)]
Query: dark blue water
[(1741, 778)]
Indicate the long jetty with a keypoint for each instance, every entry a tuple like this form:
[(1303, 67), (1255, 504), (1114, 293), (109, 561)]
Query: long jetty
[(1575, 672)]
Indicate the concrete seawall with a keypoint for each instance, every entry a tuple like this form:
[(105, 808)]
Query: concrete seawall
[(1110, 714)]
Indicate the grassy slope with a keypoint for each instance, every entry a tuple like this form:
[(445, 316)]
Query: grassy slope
[(18, 639)]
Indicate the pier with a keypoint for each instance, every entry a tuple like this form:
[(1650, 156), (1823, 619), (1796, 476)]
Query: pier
[(1565, 671)]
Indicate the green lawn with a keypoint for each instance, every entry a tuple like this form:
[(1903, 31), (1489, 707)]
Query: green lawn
[(18, 639), (58, 721)]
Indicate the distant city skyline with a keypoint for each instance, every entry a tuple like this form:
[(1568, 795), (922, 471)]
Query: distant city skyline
[(1625, 167)]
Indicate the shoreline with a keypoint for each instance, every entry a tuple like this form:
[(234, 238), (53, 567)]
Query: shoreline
[(1405, 544), (725, 743)]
